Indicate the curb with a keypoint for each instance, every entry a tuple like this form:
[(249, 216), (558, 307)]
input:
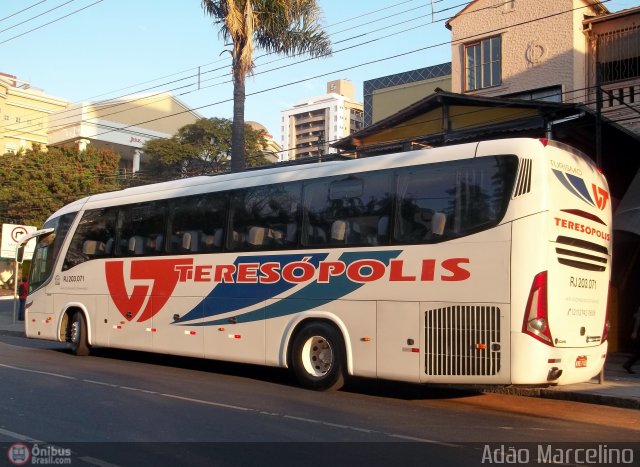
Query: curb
[(546, 393)]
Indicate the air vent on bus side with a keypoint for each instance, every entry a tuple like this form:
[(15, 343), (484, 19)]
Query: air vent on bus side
[(523, 183), (581, 254), (462, 341)]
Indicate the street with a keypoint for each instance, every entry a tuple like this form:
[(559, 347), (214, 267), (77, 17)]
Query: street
[(114, 396)]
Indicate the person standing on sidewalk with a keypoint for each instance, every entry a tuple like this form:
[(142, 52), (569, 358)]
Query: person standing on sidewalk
[(23, 290), (635, 356)]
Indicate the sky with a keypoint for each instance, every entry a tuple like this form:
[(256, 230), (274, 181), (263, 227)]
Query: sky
[(94, 50)]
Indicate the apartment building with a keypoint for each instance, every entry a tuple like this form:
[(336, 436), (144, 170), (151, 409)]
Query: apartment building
[(311, 125), (24, 112)]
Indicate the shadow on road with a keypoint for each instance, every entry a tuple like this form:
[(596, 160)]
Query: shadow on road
[(281, 376)]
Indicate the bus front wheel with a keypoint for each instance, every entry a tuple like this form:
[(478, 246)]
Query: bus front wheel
[(318, 357), (78, 335)]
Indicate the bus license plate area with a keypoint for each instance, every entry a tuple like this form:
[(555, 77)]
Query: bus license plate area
[(581, 361)]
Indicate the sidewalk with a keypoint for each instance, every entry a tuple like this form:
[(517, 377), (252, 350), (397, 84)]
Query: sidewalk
[(619, 389)]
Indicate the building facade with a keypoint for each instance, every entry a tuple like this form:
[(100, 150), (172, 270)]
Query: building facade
[(311, 125), (517, 56), (271, 149), (123, 125), (592, 57), (388, 94), (613, 67), (24, 114)]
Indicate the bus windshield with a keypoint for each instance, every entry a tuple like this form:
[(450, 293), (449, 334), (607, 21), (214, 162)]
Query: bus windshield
[(47, 250)]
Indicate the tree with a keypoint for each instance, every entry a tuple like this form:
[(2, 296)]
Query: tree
[(200, 148), (36, 183), (289, 27)]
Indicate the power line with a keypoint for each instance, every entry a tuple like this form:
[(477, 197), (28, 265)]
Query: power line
[(51, 22), (356, 66), (23, 10), (61, 116), (37, 16), (404, 30), (344, 69), (199, 67)]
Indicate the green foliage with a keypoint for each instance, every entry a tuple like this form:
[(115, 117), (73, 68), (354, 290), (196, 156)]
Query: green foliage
[(201, 148), (37, 183)]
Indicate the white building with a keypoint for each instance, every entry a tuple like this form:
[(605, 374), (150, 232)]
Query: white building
[(123, 125), (311, 125)]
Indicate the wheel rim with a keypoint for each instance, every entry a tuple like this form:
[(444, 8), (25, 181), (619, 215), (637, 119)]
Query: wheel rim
[(75, 332), (317, 356)]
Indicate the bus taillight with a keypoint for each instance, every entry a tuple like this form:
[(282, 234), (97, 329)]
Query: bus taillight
[(536, 320), (607, 324)]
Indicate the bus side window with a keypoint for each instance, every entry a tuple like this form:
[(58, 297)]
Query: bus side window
[(197, 223), (141, 226), (348, 210), (91, 237), (264, 218)]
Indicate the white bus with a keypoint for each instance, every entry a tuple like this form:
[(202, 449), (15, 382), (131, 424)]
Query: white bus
[(480, 263)]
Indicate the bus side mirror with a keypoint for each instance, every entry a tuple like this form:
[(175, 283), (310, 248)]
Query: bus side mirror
[(20, 253)]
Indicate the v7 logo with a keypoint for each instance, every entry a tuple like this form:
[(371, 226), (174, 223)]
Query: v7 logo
[(600, 195), (162, 272)]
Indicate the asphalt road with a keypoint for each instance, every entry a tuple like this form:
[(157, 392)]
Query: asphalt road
[(114, 405)]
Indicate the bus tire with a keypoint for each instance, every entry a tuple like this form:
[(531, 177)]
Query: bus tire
[(318, 357), (78, 335)]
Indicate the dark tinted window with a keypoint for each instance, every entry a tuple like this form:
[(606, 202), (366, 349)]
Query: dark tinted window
[(347, 210), (198, 223), (265, 217), (141, 229), (452, 199)]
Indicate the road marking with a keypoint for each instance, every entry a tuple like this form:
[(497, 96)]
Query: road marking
[(423, 440), (18, 436), (234, 407), (57, 375), (215, 404), (100, 383)]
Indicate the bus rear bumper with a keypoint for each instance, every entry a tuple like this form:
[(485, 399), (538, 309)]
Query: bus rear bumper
[(543, 364)]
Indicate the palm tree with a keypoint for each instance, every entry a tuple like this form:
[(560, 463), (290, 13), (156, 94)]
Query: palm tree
[(287, 27)]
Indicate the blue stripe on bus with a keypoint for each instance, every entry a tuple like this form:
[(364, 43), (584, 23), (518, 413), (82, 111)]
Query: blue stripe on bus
[(313, 295), (575, 185), (227, 297)]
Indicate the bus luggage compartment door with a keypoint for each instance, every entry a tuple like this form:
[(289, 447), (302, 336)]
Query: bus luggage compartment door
[(398, 349)]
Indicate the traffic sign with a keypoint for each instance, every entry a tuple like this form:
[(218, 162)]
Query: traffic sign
[(11, 234)]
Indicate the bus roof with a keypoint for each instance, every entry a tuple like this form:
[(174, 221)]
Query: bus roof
[(290, 173)]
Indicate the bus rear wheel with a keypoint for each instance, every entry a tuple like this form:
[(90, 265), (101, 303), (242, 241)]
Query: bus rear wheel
[(318, 357), (78, 335)]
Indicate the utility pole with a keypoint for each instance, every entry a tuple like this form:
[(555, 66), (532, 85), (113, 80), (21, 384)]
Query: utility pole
[(598, 113)]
